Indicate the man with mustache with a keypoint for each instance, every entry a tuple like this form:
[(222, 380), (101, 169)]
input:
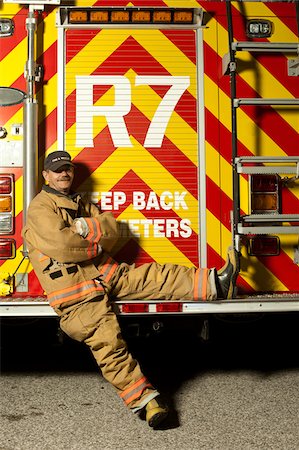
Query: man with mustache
[(69, 242)]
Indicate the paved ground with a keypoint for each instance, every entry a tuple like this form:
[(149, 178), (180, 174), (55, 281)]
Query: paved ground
[(238, 391)]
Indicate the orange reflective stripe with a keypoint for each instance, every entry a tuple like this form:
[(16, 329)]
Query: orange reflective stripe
[(135, 390), (42, 257), (74, 292), (200, 284), (94, 229), (93, 236), (108, 268)]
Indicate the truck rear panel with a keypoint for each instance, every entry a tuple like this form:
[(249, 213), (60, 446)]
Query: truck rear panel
[(146, 114)]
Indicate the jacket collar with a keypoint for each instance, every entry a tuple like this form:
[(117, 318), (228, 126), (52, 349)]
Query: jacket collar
[(72, 195)]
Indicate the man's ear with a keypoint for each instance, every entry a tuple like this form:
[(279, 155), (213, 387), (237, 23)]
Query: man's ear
[(45, 175)]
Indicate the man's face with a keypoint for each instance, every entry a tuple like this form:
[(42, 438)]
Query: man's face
[(61, 180)]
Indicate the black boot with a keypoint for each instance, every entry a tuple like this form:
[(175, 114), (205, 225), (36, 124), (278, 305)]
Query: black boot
[(227, 275)]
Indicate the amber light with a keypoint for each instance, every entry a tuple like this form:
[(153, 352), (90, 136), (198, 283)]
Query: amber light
[(5, 185), (183, 17), (77, 16), (120, 16), (264, 202), (162, 16), (99, 16), (265, 190), (141, 16), (5, 204), (7, 249)]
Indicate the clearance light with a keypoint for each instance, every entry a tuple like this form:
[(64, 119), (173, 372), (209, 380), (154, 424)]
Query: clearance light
[(135, 308), (141, 16), (99, 16), (259, 28), (265, 193), (7, 248), (120, 16), (264, 246), (162, 16), (77, 16), (5, 185), (169, 307), (133, 15), (5, 204), (185, 16)]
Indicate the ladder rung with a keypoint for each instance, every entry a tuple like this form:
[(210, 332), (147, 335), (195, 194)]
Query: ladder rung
[(269, 46), (265, 101), (277, 229), (284, 164), (271, 217)]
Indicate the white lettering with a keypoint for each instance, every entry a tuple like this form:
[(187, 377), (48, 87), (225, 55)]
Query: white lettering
[(86, 110), (138, 200), (159, 228), (112, 200), (158, 125)]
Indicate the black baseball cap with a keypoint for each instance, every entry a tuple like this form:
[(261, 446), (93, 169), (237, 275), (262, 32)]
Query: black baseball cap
[(57, 159)]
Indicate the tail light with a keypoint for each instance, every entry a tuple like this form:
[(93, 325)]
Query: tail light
[(6, 204), (7, 248), (265, 191), (264, 246), (169, 307), (135, 308)]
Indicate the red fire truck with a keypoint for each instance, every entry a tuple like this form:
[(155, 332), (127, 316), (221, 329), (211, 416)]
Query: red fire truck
[(182, 117)]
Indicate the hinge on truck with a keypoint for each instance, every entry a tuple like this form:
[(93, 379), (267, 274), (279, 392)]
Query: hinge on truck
[(293, 67), (38, 73)]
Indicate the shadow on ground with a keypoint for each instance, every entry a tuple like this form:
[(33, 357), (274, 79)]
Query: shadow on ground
[(174, 354)]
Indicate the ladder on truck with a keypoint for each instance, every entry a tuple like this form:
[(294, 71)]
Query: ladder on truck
[(265, 223)]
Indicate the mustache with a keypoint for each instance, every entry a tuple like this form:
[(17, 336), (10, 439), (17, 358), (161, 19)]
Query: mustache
[(64, 179)]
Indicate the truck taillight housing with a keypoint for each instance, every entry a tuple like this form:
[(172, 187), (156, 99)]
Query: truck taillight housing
[(265, 193), (7, 248), (6, 203), (264, 246)]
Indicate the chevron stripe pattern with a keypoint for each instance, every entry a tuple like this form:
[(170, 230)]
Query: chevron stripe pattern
[(137, 151)]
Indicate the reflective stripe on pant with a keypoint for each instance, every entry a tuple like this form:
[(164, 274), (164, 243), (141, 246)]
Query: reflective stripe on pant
[(96, 324), (163, 282)]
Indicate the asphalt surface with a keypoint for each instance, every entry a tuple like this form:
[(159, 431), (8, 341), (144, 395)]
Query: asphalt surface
[(238, 390)]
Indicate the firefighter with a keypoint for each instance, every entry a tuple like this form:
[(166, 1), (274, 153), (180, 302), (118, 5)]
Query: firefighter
[(69, 242)]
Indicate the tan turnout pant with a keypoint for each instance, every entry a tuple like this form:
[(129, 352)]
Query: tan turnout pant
[(95, 323)]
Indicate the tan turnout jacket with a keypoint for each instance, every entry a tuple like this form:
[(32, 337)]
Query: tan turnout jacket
[(68, 266)]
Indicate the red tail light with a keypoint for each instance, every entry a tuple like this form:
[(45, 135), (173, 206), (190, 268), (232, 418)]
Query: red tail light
[(135, 308), (7, 248), (264, 246), (169, 307), (5, 185)]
